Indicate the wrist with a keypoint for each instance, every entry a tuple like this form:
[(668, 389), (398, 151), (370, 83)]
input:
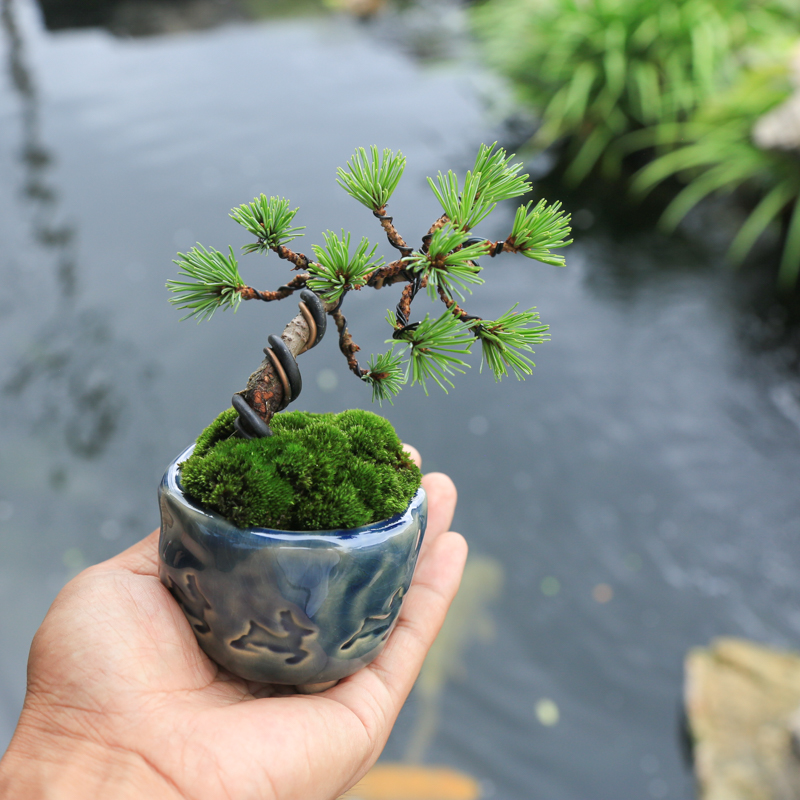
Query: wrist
[(47, 766)]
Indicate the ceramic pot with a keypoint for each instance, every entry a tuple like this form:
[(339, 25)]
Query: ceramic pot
[(299, 608)]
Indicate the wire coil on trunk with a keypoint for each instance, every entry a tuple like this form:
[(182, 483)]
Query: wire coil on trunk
[(249, 424)]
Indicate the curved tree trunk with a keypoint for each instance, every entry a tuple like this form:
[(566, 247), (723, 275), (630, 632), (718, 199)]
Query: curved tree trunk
[(264, 392)]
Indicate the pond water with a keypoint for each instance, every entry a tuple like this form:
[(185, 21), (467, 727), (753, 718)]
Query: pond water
[(635, 497)]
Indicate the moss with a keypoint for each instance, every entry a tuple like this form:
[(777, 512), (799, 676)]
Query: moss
[(317, 472)]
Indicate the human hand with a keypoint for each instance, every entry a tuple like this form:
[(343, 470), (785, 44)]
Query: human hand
[(123, 703)]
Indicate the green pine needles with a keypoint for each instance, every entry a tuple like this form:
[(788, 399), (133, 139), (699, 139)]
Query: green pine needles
[(434, 347), (371, 179), (445, 264), (386, 375), (499, 179), (464, 207), (491, 180), (337, 271), (539, 230), (503, 340), (270, 220), (214, 282), (448, 264)]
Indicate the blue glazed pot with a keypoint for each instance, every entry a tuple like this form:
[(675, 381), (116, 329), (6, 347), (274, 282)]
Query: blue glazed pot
[(292, 607)]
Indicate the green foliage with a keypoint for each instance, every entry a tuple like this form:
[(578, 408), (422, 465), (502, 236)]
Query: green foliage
[(447, 264), (269, 219), (338, 271), (385, 374), (464, 207), (539, 230), (430, 350), (598, 69), (372, 180), (503, 338), (317, 472), (499, 179), (214, 282), (715, 153), (433, 347)]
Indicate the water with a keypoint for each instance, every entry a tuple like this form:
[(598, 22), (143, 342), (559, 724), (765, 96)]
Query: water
[(634, 498)]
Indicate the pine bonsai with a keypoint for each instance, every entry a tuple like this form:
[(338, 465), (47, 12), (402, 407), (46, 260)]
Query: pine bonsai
[(221, 472)]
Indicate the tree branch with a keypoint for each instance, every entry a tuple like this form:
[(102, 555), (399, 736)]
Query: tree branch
[(300, 260), (404, 306), (440, 223), (455, 308), (501, 246), (395, 239), (298, 282), (265, 390), (389, 274), (346, 344)]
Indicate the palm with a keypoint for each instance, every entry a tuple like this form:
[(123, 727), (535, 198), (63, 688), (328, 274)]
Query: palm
[(116, 661)]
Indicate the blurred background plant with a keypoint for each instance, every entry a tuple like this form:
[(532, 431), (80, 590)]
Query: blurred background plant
[(745, 140), (685, 82), (598, 69)]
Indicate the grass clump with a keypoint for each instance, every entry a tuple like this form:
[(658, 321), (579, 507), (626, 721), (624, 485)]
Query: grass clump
[(718, 152), (596, 70), (317, 472)]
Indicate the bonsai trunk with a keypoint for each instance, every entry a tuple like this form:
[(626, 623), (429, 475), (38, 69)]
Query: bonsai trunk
[(265, 390)]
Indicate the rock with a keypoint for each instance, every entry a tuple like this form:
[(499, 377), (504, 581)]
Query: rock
[(742, 706), (779, 129)]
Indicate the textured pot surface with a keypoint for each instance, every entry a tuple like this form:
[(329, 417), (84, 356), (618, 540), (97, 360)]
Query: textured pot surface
[(285, 606)]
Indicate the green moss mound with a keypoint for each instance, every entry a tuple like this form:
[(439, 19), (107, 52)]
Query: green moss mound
[(317, 472)]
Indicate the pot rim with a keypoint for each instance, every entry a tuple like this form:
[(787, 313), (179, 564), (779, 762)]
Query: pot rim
[(171, 482)]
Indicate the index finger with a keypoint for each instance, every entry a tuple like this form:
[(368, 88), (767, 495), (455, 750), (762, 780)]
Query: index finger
[(442, 497)]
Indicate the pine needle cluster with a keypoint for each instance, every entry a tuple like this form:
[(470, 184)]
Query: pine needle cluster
[(433, 347), (269, 219), (386, 375), (492, 179), (371, 179), (337, 271), (448, 264), (214, 282), (464, 206), (539, 230), (503, 339), (500, 180)]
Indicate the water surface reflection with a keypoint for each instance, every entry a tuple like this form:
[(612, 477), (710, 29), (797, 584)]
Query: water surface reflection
[(654, 452)]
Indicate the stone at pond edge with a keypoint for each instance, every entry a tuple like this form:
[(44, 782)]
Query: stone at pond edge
[(779, 129), (740, 700)]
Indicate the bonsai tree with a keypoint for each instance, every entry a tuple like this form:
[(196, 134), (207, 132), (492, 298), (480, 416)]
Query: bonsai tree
[(425, 351)]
